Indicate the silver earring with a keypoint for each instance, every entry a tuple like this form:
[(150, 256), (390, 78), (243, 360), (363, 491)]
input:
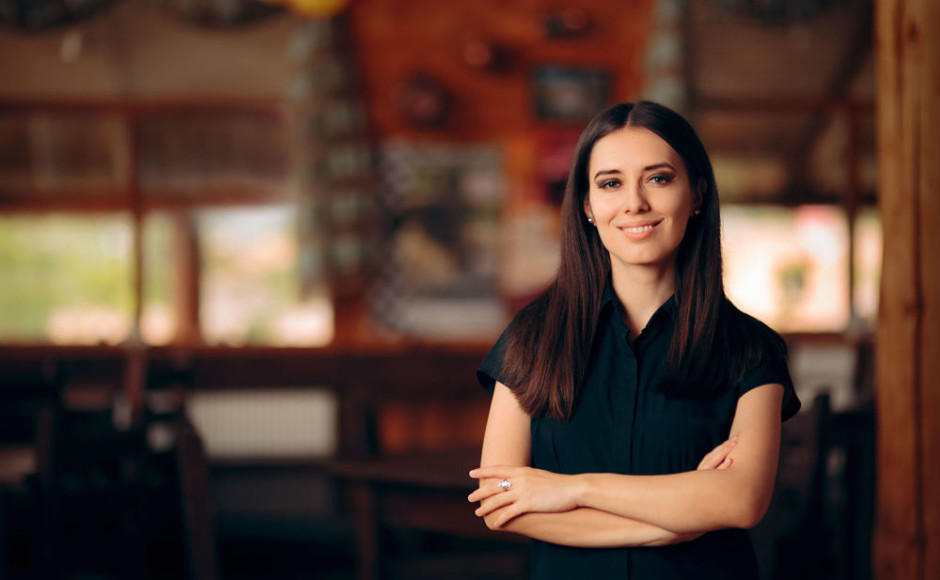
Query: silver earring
[(590, 220)]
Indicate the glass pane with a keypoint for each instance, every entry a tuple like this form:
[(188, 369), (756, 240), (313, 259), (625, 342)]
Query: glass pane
[(158, 324), (58, 155), (221, 155), (868, 252), (250, 282), (788, 267), (66, 278)]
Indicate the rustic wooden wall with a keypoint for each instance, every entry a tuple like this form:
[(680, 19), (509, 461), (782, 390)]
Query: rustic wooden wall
[(908, 347), (395, 38)]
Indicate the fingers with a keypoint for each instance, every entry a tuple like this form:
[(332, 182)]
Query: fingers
[(507, 513), (490, 495), (486, 490), (495, 502), (715, 459), (494, 471)]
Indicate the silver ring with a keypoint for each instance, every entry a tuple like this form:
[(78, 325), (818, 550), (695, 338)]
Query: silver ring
[(505, 485)]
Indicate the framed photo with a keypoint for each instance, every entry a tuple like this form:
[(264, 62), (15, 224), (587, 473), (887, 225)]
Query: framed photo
[(565, 94)]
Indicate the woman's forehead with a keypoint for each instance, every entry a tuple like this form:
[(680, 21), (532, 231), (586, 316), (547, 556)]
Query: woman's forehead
[(632, 148)]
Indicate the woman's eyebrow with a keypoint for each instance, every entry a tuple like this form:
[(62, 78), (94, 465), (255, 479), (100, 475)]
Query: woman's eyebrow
[(655, 166), (607, 172)]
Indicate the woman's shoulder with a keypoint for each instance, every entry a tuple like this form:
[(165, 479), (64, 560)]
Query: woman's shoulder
[(747, 330), (525, 322), (765, 353)]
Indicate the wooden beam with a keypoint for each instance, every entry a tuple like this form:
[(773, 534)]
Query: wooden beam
[(908, 340), (929, 175)]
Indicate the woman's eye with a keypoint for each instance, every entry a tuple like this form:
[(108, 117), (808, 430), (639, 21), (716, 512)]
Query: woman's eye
[(661, 178), (609, 184)]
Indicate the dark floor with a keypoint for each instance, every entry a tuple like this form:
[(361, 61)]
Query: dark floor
[(253, 558)]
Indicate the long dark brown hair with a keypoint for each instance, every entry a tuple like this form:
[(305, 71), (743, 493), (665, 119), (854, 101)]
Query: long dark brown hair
[(549, 343)]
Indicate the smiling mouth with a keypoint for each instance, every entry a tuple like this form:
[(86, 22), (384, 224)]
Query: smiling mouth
[(640, 229)]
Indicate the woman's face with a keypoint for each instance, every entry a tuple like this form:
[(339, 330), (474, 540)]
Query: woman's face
[(639, 198)]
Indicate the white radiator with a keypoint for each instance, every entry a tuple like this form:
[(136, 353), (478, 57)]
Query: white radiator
[(266, 423)]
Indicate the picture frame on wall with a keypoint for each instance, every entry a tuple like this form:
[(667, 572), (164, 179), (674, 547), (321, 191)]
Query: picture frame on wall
[(569, 94)]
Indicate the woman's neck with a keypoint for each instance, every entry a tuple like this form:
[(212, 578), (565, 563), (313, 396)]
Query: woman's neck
[(642, 291)]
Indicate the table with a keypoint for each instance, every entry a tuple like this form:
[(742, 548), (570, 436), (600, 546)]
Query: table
[(419, 491)]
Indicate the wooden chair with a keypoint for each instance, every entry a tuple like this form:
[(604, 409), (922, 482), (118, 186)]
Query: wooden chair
[(409, 504), (793, 540), (29, 398), (93, 497), (197, 511)]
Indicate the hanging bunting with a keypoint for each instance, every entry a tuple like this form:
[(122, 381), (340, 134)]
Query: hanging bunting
[(37, 15), (217, 13)]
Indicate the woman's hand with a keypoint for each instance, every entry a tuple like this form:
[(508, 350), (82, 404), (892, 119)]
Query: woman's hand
[(532, 490), (718, 458), (537, 490)]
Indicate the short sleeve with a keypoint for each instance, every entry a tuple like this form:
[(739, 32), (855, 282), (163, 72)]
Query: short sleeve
[(773, 370), (491, 369)]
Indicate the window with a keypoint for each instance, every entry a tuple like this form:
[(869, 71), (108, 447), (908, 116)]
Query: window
[(251, 288), (199, 200), (801, 235), (789, 266), (67, 278)]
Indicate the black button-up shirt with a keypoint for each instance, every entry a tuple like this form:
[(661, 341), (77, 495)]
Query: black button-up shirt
[(624, 424)]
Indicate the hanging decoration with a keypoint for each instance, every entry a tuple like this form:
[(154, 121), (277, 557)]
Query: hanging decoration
[(665, 57), (776, 12), (336, 201), (38, 15), (217, 13), (424, 102), (314, 8)]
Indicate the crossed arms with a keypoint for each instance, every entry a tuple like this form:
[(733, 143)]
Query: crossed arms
[(730, 489)]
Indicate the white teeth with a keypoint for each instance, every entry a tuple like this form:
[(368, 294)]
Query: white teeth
[(639, 229)]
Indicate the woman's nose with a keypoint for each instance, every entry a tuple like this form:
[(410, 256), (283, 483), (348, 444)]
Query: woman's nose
[(634, 199)]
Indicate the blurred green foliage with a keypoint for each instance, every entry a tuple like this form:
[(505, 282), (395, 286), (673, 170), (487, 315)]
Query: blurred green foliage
[(51, 262)]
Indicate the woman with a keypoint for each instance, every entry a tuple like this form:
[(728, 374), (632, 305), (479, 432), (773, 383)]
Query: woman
[(635, 422)]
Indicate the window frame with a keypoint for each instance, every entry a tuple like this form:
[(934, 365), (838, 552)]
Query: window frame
[(132, 199)]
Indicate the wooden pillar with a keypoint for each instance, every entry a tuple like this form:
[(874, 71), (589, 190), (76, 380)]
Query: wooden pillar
[(907, 534)]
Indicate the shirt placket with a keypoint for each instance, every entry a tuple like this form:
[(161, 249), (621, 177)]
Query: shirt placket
[(625, 401)]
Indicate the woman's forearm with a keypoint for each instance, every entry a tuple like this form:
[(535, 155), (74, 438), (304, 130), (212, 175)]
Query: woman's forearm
[(589, 528), (736, 497), (686, 502), (732, 496)]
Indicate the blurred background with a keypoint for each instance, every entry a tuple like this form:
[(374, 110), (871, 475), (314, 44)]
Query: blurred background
[(252, 253)]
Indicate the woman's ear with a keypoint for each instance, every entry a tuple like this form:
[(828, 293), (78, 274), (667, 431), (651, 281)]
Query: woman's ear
[(587, 210)]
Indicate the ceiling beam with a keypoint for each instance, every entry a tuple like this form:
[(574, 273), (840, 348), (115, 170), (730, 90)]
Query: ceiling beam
[(858, 50)]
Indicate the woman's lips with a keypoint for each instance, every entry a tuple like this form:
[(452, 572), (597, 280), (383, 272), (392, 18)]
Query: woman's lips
[(639, 231)]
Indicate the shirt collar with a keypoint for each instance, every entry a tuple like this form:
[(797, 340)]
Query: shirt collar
[(666, 314)]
